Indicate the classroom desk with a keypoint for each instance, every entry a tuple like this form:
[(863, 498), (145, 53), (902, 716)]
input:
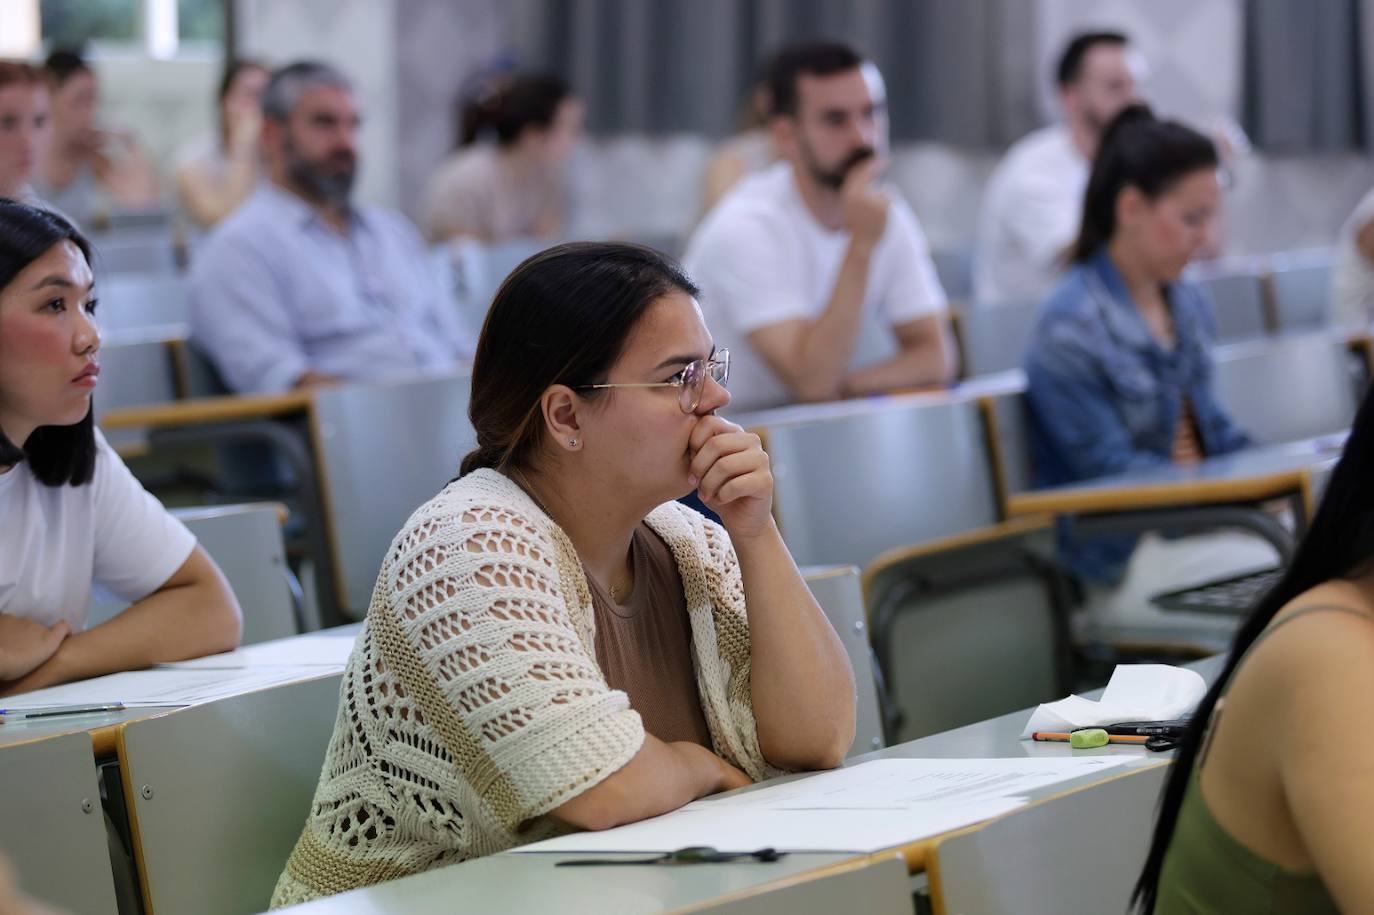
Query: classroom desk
[(511, 882), (96, 742), (1293, 470)]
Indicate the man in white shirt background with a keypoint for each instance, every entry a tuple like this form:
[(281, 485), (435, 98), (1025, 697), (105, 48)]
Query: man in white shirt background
[(816, 274), (1034, 199)]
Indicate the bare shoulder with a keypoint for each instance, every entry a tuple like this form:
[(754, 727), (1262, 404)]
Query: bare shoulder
[(1319, 653)]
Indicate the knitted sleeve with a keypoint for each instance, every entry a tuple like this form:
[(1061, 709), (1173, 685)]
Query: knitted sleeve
[(725, 585), (496, 663)]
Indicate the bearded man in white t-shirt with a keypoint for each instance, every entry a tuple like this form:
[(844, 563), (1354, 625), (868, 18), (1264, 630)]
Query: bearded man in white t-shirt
[(816, 274), (1034, 199)]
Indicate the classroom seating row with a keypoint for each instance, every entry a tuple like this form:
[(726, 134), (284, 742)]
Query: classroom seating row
[(214, 795), (1251, 297), (928, 492)]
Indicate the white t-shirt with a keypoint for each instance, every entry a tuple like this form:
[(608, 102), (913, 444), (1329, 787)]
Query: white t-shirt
[(55, 541), (761, 258), (1352, 278), (1031, 212)]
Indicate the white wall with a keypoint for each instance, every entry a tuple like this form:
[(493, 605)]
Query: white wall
[(166, 102)]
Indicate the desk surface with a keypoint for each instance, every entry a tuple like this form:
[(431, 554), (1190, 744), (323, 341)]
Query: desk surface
[(517, 884), (1252, 475), (103, 726), (528, 882), (972, 389)]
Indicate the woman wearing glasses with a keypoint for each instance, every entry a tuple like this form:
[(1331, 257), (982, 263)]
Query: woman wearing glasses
[(554, 643)]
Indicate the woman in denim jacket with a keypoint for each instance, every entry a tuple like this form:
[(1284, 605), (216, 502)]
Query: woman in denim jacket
[(1118, 364)]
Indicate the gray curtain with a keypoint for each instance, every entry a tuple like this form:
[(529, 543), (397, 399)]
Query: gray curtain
[(1305, 89), (959, 71)]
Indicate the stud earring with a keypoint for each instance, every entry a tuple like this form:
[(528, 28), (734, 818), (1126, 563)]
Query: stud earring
[(572, 443)]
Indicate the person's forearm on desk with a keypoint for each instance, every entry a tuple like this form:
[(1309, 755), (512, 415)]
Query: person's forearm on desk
[(193, 614), (661, 777)]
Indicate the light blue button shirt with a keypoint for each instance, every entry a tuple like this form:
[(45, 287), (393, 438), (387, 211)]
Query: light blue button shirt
[(277, 292)]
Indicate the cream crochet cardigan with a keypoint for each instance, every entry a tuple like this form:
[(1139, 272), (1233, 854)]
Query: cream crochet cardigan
[(472, 704)]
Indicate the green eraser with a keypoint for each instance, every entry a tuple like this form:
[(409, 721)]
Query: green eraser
[(1088, 738)]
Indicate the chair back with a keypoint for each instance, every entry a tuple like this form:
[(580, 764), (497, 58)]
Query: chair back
[(993, 338), (838, 591), (1283, 389), (223, 790), (855, 479), (383, 450)]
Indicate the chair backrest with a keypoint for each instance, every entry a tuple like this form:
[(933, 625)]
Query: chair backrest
[(1237, 305), (383, 450), (134, 301), (246, 543), (222, 790), (838, 591), (993, 338), (1028, 862), (1287, 388), (1008, 424), (1301, 293), (135, 250), (867, 476), (52, 830), (954, 267), (473, 271), (136, 371)]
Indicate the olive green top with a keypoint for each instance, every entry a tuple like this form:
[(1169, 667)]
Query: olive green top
[(1207, 870)]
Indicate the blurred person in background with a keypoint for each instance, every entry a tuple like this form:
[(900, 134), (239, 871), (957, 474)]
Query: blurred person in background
[(91, 171), (748, 151), (217, 173), (814, 271), (1034, 198), (25, 129), (508, 178)]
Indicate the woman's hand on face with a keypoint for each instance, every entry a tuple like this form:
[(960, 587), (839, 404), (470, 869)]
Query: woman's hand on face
[(26, 645), (732, 475)]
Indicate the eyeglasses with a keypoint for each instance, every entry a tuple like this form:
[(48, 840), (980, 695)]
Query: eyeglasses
[(690, 382)]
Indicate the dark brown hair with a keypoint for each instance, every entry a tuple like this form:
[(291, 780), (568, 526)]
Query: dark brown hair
[(1137, 150), (561, 317), (57, 455)]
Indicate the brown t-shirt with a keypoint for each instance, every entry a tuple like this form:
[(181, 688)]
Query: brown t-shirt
[(644, 646)]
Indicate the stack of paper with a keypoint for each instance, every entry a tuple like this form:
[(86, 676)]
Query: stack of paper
[(863, 808), (1136, 692)]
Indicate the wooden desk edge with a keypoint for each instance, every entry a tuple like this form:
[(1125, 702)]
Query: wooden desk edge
[(204, 410), (1157, 495)]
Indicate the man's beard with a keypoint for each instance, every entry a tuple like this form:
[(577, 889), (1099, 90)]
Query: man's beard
[(317, 180), (834, 178)]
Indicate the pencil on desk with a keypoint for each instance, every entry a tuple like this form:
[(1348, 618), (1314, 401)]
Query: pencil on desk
[(1057, 737)]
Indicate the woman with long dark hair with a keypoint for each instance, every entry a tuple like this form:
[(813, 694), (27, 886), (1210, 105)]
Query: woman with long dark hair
[(555, 643), (71, 514), (507, 180), (1268, 803), (1119, 368)]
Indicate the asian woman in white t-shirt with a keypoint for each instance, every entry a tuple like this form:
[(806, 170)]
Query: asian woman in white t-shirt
[(71, 514)]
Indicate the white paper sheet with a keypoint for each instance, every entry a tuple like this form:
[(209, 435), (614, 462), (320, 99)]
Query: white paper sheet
[(1136, 692), (861, 808), (329, 651), (160, 687)]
